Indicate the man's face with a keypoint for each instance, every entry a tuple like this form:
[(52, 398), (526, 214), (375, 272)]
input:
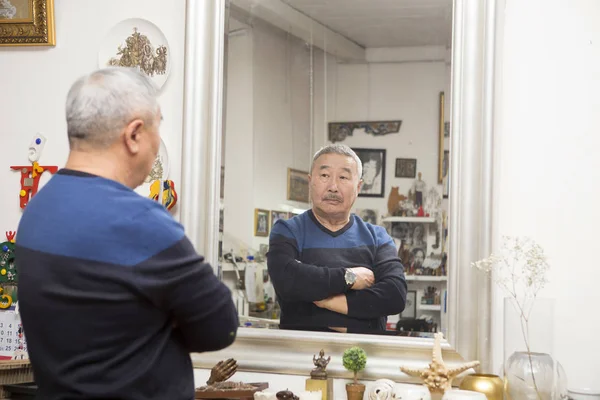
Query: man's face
[(334, 184)]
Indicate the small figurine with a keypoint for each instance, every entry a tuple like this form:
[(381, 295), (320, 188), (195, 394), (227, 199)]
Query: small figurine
[(222, 371), (286, 395), (395, 200), (321, 364), (30, 174), (418, 188)]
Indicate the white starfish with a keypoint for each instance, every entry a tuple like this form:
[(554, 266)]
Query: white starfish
[(438, 377)]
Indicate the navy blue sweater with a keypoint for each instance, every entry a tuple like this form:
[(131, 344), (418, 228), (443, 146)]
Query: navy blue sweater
[(307, 262), (113, 296)]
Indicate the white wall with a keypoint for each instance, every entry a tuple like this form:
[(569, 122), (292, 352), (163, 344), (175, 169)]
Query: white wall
[(267, 129), (548, 164), (393, 91), (34, 84)]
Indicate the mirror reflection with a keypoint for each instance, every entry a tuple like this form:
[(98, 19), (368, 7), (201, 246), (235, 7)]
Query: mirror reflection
[(335, 165)]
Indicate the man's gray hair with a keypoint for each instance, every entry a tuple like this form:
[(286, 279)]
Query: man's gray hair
[(338, 149), (100, 104)]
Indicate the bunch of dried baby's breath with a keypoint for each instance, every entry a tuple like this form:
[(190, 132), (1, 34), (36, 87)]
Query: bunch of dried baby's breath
[(520, 270)]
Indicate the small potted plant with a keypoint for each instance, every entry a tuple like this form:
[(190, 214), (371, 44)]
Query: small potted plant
[(355, 360)]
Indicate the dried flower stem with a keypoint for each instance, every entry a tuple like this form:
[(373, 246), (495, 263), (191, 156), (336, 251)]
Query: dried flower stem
[(523, 265)]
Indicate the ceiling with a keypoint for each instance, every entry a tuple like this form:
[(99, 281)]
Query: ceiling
[(383, 23)]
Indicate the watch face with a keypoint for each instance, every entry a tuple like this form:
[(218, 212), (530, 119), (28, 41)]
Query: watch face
[(350, 277)]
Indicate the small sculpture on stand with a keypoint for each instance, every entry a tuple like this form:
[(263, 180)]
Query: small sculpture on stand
[(437, 376), (222, 371), (418, 189), (218, 387), (321, 364), (318, 380)]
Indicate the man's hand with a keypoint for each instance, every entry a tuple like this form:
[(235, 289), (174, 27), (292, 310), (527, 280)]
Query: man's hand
[(337, 304), (364, 278)]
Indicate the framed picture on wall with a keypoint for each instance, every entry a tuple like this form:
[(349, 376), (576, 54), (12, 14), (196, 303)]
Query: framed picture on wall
[(441, 128), (406, 167), (27, 23), (277, 215), (261, 222), (410, 310), (446, 170), (222, 182), (297, 185), (369, 215), (373, 161)]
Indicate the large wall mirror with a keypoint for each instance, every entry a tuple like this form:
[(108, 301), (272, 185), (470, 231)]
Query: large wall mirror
[(380, 77), (376, 82)]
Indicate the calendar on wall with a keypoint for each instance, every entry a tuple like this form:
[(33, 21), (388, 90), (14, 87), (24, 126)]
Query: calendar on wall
[(12, 338)]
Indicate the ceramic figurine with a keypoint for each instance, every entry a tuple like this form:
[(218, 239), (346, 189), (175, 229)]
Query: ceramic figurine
[(381, 389)]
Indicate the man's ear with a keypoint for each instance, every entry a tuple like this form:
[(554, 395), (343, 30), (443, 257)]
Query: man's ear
[(360, 183), (132, 135)]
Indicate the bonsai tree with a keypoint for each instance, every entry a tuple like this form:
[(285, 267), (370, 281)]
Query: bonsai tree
[(354, 360)]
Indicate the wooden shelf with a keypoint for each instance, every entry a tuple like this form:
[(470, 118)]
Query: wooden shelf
[(426, 278), (409, 219)]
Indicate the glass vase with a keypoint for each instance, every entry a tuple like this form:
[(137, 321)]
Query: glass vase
[(530, 371)]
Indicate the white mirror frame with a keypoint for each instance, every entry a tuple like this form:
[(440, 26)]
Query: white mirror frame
[(290, 352)]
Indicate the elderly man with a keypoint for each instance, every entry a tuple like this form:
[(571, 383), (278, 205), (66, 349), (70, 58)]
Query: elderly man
[(330, 269), (112, 294)]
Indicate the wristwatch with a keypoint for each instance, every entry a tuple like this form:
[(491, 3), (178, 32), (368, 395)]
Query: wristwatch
[(350, 278)]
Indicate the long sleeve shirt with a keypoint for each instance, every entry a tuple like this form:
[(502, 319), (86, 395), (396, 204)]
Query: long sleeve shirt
[(113, 296), (307, 262)]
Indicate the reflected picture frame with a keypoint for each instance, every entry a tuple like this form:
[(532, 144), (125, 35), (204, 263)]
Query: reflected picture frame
[(28, 23), (410, 310), (297, 185), (441, 139), (262, 222), (376, 186), (277, 215), (406, 168)]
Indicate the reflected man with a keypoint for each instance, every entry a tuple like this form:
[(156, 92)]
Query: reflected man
[(330, 269)]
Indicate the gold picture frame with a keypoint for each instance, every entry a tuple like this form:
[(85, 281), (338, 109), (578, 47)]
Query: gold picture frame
[(28, 23), (297, 185), (262, 225), (441, 141)]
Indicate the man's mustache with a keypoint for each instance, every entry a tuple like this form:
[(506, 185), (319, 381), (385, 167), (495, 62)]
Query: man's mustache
[(333, 197)]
